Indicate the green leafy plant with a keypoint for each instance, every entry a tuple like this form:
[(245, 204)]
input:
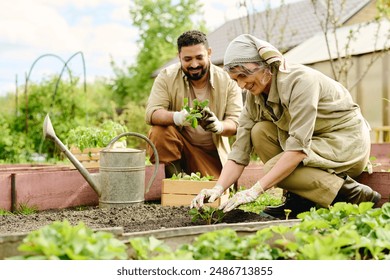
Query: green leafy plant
[(62, 241), (25, 209), (195, 113), (4, 212), (21, 209), (287, 213), (148, 247), (342, 232), (83, 137), (257, 206), (208, 214), (193, 177)]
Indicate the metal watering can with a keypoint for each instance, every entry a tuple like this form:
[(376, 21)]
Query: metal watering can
[(121, 178)]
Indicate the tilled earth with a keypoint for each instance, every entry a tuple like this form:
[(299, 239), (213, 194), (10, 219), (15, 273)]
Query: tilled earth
[(134, 218)]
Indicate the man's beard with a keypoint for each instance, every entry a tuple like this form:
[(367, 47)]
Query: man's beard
[(195, 77)]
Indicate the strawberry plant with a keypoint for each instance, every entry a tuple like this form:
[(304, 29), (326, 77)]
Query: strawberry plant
[(342, 232), (195, 113), (62, 241)]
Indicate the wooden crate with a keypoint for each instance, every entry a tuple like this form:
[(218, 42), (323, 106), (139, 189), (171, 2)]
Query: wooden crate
[(89, 157), (182, 192)]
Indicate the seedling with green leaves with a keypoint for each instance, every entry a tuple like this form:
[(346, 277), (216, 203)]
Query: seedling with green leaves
[(208, 214), (193, 177), (63, 241), (195, 113), (344, 231)]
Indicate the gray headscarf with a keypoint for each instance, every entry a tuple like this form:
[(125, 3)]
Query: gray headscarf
[(247, 48)]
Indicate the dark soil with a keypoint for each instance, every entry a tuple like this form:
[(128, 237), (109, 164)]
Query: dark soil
[(134, 218)]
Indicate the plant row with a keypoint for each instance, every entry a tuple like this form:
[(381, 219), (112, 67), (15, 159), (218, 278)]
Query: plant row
[(341, 232)]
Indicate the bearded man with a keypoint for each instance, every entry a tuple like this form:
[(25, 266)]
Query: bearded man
[(181, 147)]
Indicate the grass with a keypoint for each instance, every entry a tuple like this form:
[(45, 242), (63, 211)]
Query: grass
[(22, 209)]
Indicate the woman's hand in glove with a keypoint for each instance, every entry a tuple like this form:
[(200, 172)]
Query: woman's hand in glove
[(211, 194), (242, 197), (210, 122)]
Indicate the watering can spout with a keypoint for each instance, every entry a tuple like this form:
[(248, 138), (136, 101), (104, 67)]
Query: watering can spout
[(48, 132)]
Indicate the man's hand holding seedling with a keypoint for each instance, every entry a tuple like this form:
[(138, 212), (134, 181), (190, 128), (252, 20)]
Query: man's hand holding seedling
[(210, 122), (180, 118), (199, 114)]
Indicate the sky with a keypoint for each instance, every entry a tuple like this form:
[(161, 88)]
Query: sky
[(89, 31)]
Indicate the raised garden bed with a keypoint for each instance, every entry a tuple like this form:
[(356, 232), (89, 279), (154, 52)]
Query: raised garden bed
[(135, 220), (55, 187)]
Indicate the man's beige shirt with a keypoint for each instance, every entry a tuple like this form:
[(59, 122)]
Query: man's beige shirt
[(171, 87)]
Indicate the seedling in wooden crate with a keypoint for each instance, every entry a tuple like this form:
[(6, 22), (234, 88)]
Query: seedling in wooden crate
[(193, 177), (195, 113)]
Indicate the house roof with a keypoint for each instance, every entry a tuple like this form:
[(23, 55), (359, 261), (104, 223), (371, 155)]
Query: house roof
[(367, 38), (291, 24)]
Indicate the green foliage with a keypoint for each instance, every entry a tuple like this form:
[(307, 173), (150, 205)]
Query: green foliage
[(133, 116), (41, 99), (25, 209), (22, 209), (195, 113), (342, 232), (193, 177), (95, 137), (383, 8), (62, 241), (208, 214), (69, 107), (257, 206), (148, 247), (5, 212), (21, 116), (159, 23), (14, 146)]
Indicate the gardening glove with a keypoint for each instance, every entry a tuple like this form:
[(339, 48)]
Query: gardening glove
[(179, 118), (210, 122), (242, 197), (212, 194)]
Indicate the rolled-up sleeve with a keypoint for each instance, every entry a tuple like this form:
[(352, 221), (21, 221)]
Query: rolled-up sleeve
[(242, 147), (158, 98), (234, 102), (303, 103)]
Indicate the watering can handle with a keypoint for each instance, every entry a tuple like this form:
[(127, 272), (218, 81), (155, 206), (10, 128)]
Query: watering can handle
[(150, 143)]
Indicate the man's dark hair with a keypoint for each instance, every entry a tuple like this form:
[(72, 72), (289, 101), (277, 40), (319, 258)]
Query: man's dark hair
[(191, 38)]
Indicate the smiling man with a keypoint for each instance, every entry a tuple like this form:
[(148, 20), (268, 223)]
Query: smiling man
[(181, 147)]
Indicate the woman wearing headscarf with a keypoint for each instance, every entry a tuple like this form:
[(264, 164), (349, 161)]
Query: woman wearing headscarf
[(304, 126)]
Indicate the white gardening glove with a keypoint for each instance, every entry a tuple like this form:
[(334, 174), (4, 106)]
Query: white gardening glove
[(212, 194), (210, 122), (242, 197), (179, 118)]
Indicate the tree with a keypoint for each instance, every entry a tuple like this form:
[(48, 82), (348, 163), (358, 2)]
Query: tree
[(331, 21), (267, 23), (160, 22)]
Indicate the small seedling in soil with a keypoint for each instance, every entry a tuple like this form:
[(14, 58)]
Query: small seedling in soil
[(195, 113), (208, 214), (287, 213)]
